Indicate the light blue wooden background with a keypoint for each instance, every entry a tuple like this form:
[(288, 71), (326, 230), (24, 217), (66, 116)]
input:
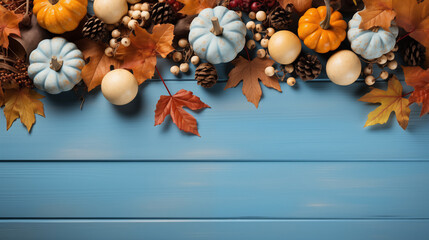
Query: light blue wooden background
[(301, 167)]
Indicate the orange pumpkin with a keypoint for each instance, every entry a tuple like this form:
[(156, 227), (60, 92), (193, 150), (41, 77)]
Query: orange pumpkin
[(320, 30), (59, 16)]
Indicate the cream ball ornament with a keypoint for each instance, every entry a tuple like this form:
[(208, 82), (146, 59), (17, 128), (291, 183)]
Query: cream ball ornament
[(343, 67), (119, 86), (284, 47), (110, 11)]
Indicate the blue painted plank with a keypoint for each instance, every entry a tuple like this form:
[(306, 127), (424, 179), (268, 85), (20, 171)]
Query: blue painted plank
[(315, 121), (286, 190), (214, 230)]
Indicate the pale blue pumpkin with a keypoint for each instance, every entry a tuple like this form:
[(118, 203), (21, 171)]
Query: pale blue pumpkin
[(217, 48), (371, 44), (56, 65)]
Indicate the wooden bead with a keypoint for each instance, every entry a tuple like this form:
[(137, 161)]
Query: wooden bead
[(145, 7), (289, 68), (250, 44), (125, 42), (250, 25), (126, 20), (390, 56), (368, 70), (343, 67), (259, 27), (382, 60), (270, 31), (291, 81), (130, 13), (183, 43), (119, 87), (252, 15), (269, 71), (175, 70), (261, 53), (184, 67), (113, 43), (116, 33), (261, 16), (137, 6), (195, 60), (177, 56), (284, 47), (264, 43), (384, 75), (109, 52), (136, 14), (257, 37), (369, 80), (392, 65)]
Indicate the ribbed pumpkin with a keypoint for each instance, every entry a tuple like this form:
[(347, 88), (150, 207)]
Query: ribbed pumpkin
[(56, 65), (217, 35), (59, 16), (373, 43), (320, 30)]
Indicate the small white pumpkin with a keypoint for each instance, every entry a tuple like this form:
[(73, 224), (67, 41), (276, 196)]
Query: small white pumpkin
[(371, 44), (110, 11), (56, 65), (217, 34)]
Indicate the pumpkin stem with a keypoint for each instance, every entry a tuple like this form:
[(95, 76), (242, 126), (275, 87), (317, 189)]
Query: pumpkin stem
[(375, 29), (325, 23), (56, 64), (53, 2), (217, 29)]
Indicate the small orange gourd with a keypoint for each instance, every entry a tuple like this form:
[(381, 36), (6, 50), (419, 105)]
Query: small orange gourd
[(59, 16), (320, 30)]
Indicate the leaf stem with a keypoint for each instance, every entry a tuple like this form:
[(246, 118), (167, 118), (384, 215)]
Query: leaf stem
[(406, 94), (165, 85), (247, 51), (406, 35)]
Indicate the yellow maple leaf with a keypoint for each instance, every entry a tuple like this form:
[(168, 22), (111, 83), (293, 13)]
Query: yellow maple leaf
[(22, 103), (377, 13), (9, 22), (196, 6), (391, 101)]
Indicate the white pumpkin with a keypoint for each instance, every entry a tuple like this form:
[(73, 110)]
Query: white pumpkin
[(56, 65), (217, 34), (110, 11), (368, 43), (119, 86)]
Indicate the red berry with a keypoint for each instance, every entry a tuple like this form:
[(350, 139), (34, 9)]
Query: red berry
[(233, 4), (256, 6), (176, 6), (171, 2), (270, 3)]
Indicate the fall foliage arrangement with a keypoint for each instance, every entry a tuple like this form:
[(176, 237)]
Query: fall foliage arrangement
[(54, 46)]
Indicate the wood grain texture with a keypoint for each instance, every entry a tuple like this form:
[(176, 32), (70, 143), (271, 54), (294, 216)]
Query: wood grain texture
[(315, 121), (211, 190), (214, 230)]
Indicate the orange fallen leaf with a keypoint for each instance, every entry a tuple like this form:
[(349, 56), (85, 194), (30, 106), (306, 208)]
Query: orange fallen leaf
[(196, 6), (250, 72), (413, 16), (140, 56), (391, 101), (22, 103), (99, 64), (299, 5), (1, 96), (173, 106), (9, 24), (377, 13), (418, 78)]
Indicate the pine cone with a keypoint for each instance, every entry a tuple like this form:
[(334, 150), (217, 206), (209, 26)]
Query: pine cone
[(206, 75), (162, 13), (279, 18), (413, 52), (308, 67), (95, 29)]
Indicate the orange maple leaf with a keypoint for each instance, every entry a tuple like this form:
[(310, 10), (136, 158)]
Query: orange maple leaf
[(196, 6), (299, 5), (250, 72), (99, 64), (9, 24), (1, 96), (419, 80), (377, 13), (140, 56), (391, 100), (22, 103), (173, 106), (413, 16)]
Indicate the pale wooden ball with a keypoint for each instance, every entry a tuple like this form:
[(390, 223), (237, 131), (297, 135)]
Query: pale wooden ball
[(109, 52), (343, 68), (250, 44), (126, 20), (145, 7), (257, 37), (132, 24), (284, 47), (291, 81), (269, 71), (183, 43), (250, 25), (264, 43), (119, 87), (175, 70), (261, 16), (184, 67), (126, 42), (270, 31), (261, 53), (110, 12), (145, 15), (195, 60)]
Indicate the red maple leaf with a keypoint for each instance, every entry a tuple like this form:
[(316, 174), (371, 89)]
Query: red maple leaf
[(418, 78), (173, 106)]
